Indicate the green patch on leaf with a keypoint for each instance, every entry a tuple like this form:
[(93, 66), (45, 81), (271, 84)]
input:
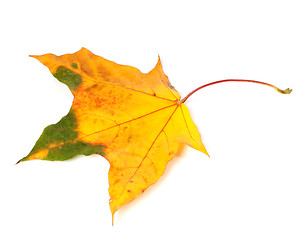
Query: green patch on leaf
[(74, 65), (59, 133), (68, 77), (72, 149)]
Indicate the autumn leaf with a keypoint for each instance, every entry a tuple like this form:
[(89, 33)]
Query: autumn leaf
[(137, 121)]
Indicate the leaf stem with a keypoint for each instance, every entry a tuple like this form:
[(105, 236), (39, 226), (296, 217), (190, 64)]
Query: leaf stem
[(286, 91)]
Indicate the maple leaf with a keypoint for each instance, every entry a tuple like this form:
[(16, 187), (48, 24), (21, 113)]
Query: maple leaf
[(137, 121), (134, 120)]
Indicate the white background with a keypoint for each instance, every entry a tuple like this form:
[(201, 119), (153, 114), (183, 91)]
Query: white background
[(252, 186)]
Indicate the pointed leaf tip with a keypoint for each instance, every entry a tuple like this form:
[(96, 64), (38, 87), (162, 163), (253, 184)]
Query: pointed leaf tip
[(33, 56)]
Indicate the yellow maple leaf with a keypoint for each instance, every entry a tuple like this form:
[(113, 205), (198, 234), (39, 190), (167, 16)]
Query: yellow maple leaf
[(137, 121), (134, 119)]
